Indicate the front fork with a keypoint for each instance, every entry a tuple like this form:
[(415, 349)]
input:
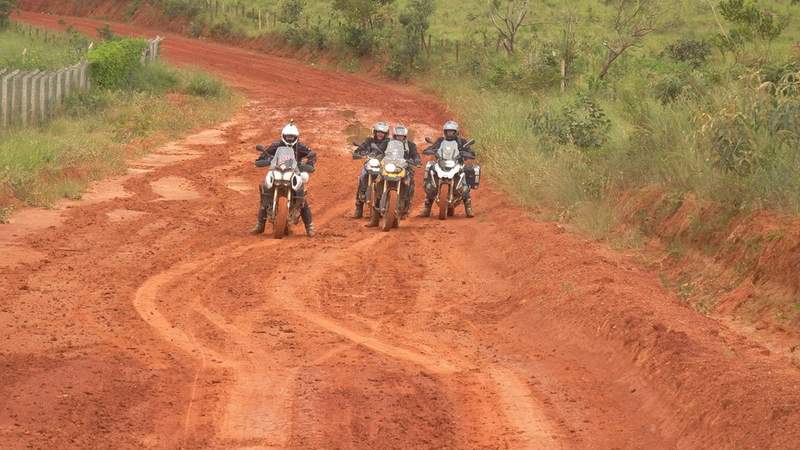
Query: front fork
[(388, 186), (275, 198)]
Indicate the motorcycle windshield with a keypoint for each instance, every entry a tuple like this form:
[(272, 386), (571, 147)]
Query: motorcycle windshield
[(448, 151), (396, 154), (284, 157)]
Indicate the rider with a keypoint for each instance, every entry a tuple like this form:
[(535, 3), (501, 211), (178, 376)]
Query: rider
[(290, 137), (375, 145), (450, 131), (412, 156)]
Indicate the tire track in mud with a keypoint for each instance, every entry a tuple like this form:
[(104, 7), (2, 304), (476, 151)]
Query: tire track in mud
[(474, 346), (519, 410)]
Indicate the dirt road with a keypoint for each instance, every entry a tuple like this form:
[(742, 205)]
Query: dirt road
[(146, 316)]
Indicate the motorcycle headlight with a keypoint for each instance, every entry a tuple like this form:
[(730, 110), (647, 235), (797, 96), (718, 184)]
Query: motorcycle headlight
[(282, 167), (391, 168), (449, 164), (374, 163)]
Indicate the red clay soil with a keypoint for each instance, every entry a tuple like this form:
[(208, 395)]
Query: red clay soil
[(150, 318)]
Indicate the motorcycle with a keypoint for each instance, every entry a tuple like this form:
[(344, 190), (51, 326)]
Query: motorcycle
[(448, 176), (390, 187), (373, 167), (286, 180)]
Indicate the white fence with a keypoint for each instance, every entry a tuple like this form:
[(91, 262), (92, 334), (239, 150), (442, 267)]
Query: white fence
[(34, 96), (29, 97)]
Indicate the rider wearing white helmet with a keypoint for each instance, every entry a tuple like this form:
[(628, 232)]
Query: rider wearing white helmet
[(290, 137), (412, 156), (450, 132), (372, 146)]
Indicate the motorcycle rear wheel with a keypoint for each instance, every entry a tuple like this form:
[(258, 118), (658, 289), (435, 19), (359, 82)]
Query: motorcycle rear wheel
[(444, 201), (281, 225)]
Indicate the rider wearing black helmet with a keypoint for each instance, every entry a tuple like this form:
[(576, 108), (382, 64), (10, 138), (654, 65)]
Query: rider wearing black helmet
[(375, 145), (450, 133)]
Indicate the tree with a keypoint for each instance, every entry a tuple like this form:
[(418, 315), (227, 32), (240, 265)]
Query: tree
[(6, 8), (409, 42), (363, 14), (291, 11), (633, 20), (751, 24), (507, 17), (567, 48), (415, 20)]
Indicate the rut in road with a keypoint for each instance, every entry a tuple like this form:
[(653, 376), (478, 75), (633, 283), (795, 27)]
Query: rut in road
[(152, 319)]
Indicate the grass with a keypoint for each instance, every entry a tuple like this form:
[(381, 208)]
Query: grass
[(103, 128), (18, 50)]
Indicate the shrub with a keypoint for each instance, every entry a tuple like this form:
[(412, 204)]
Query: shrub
[(6, 7), (670, 88), (201, 84), (582, 123), (357, 40), (689, 51), (113, 62), (156, 77)]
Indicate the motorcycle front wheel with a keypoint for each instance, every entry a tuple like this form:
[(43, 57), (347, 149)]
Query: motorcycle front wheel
[(387, 221), (444, 201), (281, 224)]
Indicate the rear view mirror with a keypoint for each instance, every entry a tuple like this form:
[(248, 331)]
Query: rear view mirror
[(261, 148), (428, 140)]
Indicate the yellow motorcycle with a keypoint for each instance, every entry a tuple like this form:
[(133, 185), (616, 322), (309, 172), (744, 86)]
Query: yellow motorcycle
[(390, 188)]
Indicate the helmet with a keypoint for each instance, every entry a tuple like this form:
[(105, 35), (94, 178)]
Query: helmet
[(380, 127), (290, 134), (450, 126), (400, 130)]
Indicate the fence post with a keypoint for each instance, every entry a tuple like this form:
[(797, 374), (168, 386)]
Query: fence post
[(51, 94), (67, 82), (59, 86), (34, 98), (43, 97), (6, 87), (26, 96), (16, 95)]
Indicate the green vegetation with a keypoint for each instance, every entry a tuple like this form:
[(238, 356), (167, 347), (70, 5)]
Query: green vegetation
[(25, 48), (100, 129), (113, 62), (577, 102)]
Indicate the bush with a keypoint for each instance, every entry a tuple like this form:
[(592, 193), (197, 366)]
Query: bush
[(6, 7), (670, 88), (157, 78), (689, 51), (201, 84), (582, 123), (357, 40), (114, 62)]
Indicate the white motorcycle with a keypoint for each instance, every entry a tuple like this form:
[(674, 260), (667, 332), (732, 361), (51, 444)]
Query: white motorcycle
[(447, 175), (286, 179)]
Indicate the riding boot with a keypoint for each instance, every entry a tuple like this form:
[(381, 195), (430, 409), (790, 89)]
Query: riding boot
[(262, 221), (374, 219), (468, 208), (305, 214), (426, 209), (359, 212)]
